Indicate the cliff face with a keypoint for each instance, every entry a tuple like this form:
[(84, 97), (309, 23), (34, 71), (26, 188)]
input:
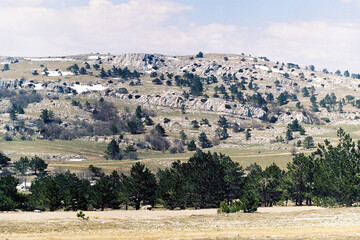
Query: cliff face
[(173, 100)]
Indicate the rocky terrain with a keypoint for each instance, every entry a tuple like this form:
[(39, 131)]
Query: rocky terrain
[(246, 90)]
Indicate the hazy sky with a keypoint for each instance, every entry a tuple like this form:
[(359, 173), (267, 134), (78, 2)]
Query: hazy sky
[(325, 33)]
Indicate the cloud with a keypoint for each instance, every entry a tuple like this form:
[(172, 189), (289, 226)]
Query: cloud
[(326, 44), (102, 26)]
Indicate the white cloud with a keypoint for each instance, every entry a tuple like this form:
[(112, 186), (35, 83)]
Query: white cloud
[(134, 26), (326, 44)]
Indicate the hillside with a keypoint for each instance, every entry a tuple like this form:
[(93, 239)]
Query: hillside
[(254, 98)]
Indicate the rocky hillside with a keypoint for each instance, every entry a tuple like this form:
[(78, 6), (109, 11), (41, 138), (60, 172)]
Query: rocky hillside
[(90, 94)]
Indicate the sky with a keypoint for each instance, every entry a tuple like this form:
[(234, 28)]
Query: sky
[(324, 33)]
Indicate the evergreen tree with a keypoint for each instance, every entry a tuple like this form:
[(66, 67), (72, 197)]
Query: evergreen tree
[(107, 192), (247, 134), (45, 194), (191, 146), (305, 92), (10, 199), (195, 124), (159, 129), (37, 164), (47, 116), (113, 129), (139, 112), (337, 169), (183, 136), (222, 133), (72, 191), (103, 73), (113, 151), (13, 115), (289, 135), (22, 165), (299, 179), (204, 141), (140, 186), (172, 187), (199, 55), (308, 142), (82, 71), (270, 98), (6, 67), (135, 126), (223, 122), (4, 160), (282, 99)]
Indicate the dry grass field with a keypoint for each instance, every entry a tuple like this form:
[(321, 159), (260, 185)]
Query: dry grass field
[(267, 223)]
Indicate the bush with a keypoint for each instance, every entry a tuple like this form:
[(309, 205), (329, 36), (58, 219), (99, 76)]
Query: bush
[(157, 142), (176, 148), (199, 55), (233, 207), (132, 155), (157, 81), (123, 91), (7, 137), (325, 119), (191, 146)]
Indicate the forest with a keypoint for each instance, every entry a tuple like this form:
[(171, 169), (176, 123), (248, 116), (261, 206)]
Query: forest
[(327, 177)]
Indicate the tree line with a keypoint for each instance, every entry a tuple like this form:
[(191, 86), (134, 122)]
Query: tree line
[(327, 177)]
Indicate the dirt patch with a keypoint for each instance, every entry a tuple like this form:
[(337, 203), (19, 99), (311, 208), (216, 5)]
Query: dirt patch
[(267, 223)]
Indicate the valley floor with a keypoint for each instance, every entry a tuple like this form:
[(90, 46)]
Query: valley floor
[(267, 223)]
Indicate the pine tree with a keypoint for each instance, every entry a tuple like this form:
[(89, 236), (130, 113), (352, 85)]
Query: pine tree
[(289, 135), (204, 141), (37, 164), (140, 186), (247, 135), (113, 151), (223, 122), (22, 165), (103, 74), (4, 160), (191, 146)]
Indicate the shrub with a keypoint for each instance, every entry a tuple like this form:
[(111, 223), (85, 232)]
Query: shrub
[(7, 137), (325, 119), (157, 81), (233, 207), (199, 55), (123, 91), (157, 142), (176, 148)]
